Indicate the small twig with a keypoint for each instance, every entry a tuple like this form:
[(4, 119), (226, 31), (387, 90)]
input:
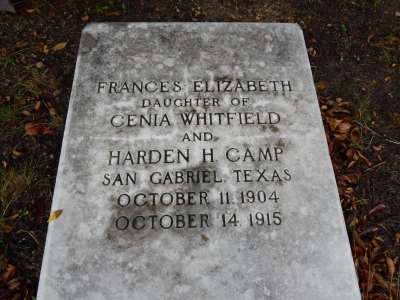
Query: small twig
[(19, 51), (375, 166), (393, 141), (390, 140), (370, 142), (30, 234)]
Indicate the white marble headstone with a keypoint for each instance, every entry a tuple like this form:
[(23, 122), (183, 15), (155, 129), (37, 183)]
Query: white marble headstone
[(194, 166)]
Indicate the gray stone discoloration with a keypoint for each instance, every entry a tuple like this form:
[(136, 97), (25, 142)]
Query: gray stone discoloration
[(307, 257)]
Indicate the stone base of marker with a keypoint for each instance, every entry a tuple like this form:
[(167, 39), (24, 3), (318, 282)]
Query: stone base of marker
[(194, 166)]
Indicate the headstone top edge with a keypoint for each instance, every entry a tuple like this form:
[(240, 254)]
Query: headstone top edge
[(92, 25)]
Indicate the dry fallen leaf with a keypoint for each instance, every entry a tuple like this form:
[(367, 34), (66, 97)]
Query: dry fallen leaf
[(55, 215), (16, 153), (391, 266), (358, 239), (311, 51), (32, 128), (13, 284), (39, 46), (20, 44), (51, 109), (46, 131), (355, 135), (38, 104), (350, 178), (321, 86), (112, 13), (9, 272), (85, 18), (3, 52), (343, 131), (7, 229), (26, 113), (366, 160), (39, 65), (350, 153), (392, 39), (379, 208), (397, 237), (333, 123), (59, 46)]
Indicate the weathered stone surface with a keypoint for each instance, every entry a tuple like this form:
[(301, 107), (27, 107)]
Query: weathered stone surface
[(299, 250)]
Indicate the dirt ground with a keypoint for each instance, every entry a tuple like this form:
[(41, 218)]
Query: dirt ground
[(354, 54)]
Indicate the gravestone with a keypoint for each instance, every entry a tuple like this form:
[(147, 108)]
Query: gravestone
[(194, 166)]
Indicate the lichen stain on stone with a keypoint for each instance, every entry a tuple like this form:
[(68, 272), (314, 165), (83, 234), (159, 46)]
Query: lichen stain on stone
[(224, 77), (273, 128), (130, 237), (281, 144), (88, 42)]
